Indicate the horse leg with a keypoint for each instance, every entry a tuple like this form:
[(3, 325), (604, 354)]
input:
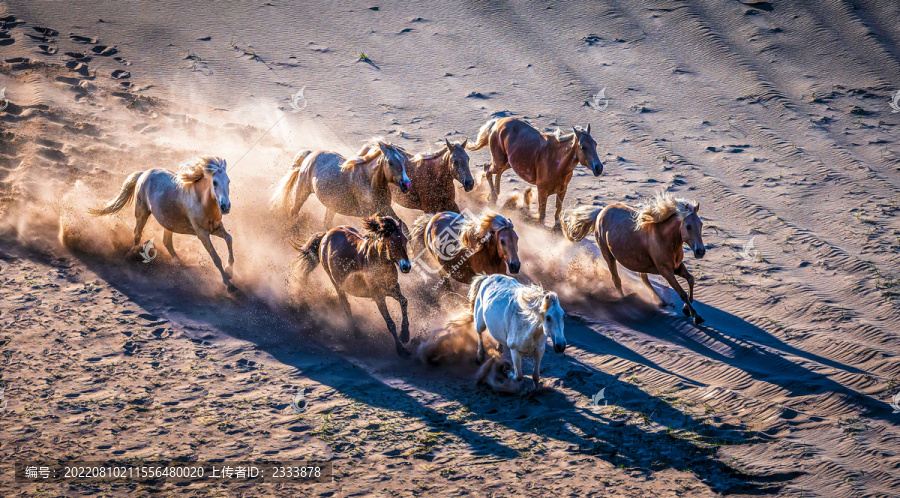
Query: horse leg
[(543, 195), (669, 275), (404, 324), (610, 263), (220, 232), (646, 280), (560, 197), (480, 327), (392, 327), (167, 241), (141, 215), (302, 194), (682, 272), (517, 363), (203, 235), (499, 163), (536, 375), (329, 218)]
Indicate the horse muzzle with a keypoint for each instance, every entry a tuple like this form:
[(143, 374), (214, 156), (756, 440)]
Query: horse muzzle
[(514, 267), (700, 252), (597, 169), (225, 208), (559, 348), (405, 266), (405, 186), (469, 185)]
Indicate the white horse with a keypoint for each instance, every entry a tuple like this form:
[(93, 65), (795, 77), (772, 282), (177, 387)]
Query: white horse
[(519, 317), (189, 201)]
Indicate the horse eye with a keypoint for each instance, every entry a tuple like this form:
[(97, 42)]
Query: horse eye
[(688, 227)]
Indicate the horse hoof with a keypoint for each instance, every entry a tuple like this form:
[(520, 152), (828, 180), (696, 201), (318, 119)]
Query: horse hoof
[(403, 352), (232, 288), (686, 310), (479, 359), (698, 320)]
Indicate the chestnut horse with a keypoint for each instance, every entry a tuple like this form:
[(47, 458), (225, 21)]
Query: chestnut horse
[(190, 201), (355, 187), (466, 245), (645, 239), (545, 160), (362, 266), (432, 178)]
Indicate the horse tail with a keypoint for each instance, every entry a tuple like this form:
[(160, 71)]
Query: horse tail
[(578, 223), (473, 289), (417, 236), (121, 200), (483, 136), (308, 259), (285, 187)]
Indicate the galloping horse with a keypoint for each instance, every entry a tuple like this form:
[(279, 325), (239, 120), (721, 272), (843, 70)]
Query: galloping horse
[(355, 187), (519, 317), (646, 239), (362, 266), (432, 178), (466, 246), (542, 159), (190, 201)]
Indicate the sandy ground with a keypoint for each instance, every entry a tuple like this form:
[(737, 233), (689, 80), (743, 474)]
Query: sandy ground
[(775, 116)]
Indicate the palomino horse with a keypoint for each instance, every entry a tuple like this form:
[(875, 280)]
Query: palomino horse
[(363, 266), (519, 317), (355, 187), (432, 178), (190, 201), (466, 246), (542, 159), (646, 239)]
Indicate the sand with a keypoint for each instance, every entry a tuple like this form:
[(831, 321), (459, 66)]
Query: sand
[(774, 115)]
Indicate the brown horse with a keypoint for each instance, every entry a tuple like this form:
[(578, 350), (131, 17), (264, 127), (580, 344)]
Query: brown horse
[(646, 239), (432, 178), (362, 266), (190, 201), (466, 245), (545, 160), (355, 187)]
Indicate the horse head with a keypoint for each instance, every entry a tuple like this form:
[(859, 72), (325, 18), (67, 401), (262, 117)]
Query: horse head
[(692, 231), (459, 164), (194, 173), (507, 242), (394, 164), (553, 316), (390, 239), (586, 150)]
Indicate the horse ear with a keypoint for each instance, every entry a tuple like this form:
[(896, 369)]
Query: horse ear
[(448, 144), (697, 207), (589, 129), (575, 130), (464, 142)]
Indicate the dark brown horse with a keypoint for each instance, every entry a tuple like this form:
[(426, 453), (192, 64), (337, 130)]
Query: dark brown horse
[(466, 246), (545, 160), (362, 266), (355, 187), (432, 176), (646, 239)]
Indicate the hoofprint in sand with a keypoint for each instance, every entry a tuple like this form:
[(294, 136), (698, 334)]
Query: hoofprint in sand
[(786, 388)]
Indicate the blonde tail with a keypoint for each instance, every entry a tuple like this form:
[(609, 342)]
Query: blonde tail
[(473, 289), (284, 189), (121, 200), (578, 223), (483, 136)]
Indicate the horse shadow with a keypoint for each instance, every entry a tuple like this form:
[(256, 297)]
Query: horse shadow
[(292, 335)]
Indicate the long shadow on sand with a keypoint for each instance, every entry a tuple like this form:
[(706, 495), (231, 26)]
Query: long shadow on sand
[(291, 336)]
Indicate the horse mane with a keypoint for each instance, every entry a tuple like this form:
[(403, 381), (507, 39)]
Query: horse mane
[(424, 156), (563, 137), (662, 207), (531, 299), (475, 230), (378, 231), (370, 151), (193, 170)]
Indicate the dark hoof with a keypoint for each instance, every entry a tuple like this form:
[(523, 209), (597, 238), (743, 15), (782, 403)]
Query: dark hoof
[(686, 310), (403, 352), (479, 359), (698, 320), (232, 288)]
